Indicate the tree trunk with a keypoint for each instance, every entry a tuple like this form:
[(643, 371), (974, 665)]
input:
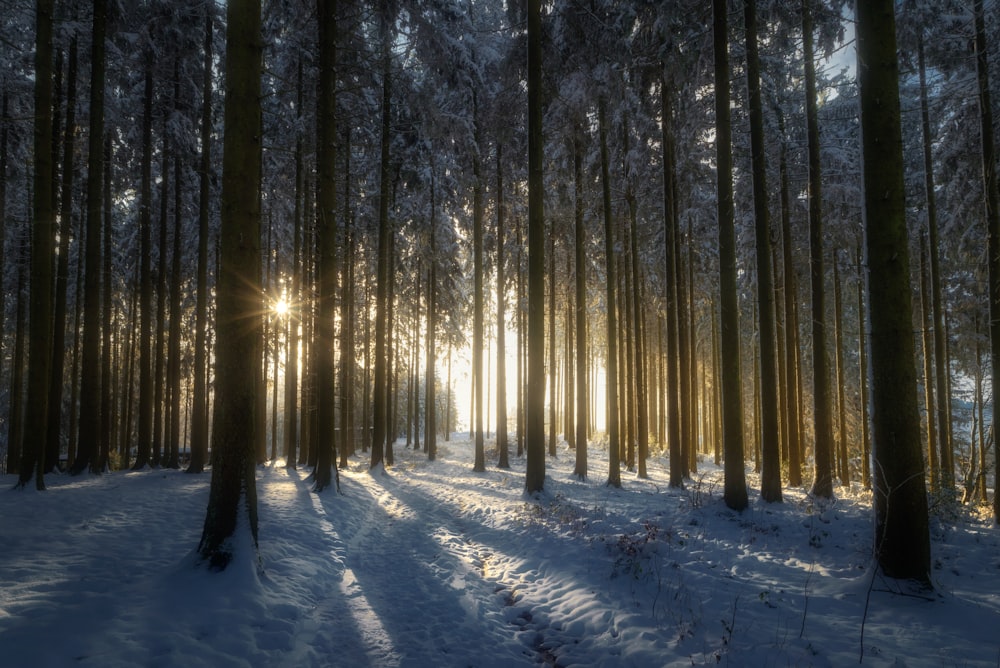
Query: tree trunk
[(580, 303), (933, 466), (823, 429), (838, 335), (199, 400), (792, 431), (943, 421), (477, 291), (902, 542), (770, 445), (174, 341), (144, 438), (502, 447), (430, 402), (233, 489), (614, 467), (326, 233), (62, 266), (735, 489), (534, 479), (992, 201), (91, 432)]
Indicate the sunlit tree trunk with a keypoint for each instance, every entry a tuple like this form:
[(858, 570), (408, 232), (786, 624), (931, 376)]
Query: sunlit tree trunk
[(614, 454), (902, 543), (735, 489), (866, 444), (430, 377), (823, 429), (477, 292), (233, 488), (551, 433), (348, 442), (534, 479), (502, 446)]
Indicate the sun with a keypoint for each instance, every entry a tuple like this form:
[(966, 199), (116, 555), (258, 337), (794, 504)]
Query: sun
[(280, 308)]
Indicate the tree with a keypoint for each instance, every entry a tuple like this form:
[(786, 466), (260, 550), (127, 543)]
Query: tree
[(823, 428), (41, 288), (670, 284), (199, 398), (902, 542), (992, 202), (534, 478), (770, 479), (502, 446), (326, 231), (735, 488), (233, 489), (614, 445), (145, 421), (580, 303)]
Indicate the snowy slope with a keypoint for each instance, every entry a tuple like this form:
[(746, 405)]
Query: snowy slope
[(430, 564)]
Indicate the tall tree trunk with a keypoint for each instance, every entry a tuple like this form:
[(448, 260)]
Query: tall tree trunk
[(91, 427), (144, 437), (534, 479), (823, 429), (838, 336), (943, 422), (172, 450), (62, 267), (108, 416), (502, 447), (477, 291), (326, 232), (866, 444), (639, 351), (770, 445), (551, 434), (199, 399), (992, 201), (735, 488), (580, 303), (159, 354), (933, 466), (902, 542), (233, 489), (15, 418), (430, 378), (380, 400), (347, 440), (614, 467), (791, 319)]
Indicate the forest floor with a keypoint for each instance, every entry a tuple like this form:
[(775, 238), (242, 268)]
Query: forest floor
[(431, 564)]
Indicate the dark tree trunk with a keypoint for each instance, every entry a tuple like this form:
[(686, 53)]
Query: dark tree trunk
[(199, 399), (534, 479), (735, 488), (91, 427), (233, 489), (902, 543), (326, 232), (770, 480), (673, 436), (144, 436)]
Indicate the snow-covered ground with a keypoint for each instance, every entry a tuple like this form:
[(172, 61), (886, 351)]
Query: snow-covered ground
[(433, 565)]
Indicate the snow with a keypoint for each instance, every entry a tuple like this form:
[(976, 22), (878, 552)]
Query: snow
[(430, 564)]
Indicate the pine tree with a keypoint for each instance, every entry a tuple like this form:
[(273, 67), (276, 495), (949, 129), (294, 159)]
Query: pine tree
[(233, 489), (902, 542)]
